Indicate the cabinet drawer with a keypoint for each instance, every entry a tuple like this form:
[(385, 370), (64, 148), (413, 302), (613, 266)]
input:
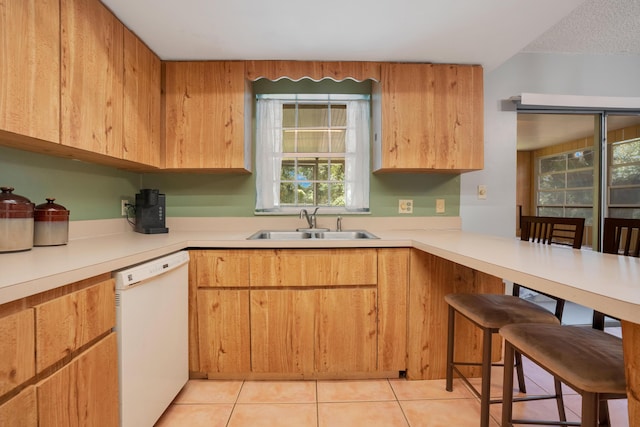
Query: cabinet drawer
[(21, 410), (84, 392), (65, 324), (17, 343), (221, 269), (310, 267)]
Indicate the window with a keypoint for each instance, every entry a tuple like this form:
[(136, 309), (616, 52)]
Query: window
[(312, 150), (624, 179), (565, 185)]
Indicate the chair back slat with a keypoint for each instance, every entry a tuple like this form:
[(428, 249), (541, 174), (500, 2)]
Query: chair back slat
[(621, 236), (548, 230)]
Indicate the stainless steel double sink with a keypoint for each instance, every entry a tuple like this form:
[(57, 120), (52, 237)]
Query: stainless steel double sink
[(311, 234)]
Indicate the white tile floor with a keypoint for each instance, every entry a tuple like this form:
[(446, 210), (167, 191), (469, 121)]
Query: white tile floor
[(388, 403)]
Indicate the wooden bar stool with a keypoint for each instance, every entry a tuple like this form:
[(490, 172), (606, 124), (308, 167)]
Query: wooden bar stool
[(587, 360), (491, 312)]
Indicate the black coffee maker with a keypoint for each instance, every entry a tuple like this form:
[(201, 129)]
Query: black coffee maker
[(150, 212)]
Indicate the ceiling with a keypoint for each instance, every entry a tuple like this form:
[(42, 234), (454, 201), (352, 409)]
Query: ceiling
[(486, 32)]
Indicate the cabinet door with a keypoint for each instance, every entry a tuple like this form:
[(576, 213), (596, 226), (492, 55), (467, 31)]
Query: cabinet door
[(393, 290), (346, 336), (282, 323), (205, 116), (141, 138), (65, 324), (91, 81), (30, 68), (223, 331), (17, 350), (221, 269), (84, 392), (21, 410), (431, 118)]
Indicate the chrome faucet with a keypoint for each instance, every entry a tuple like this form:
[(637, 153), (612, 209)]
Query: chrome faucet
[(311, 219)]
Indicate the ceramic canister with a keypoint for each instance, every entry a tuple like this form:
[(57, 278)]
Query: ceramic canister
[(16, 221), (51, 226)]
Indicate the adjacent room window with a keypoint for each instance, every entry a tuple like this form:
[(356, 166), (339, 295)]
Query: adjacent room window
[(565, 185), (312, 150), (624, 179)]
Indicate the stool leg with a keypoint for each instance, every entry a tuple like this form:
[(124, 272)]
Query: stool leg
[(507, 385), (559, 399), (520, 372), (450, 336), (603, 414), (485, 395), (589, 410)]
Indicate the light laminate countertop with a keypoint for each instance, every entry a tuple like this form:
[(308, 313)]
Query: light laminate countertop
[(608, 283)]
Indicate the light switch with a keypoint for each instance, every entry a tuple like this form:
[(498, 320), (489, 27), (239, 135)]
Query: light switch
[(482, 192), (439, 205)]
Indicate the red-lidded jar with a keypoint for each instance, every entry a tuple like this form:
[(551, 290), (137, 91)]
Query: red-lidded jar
[(51, 224), (16, 221)]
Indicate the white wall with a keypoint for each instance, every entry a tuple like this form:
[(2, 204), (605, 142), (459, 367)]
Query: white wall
[(595, 75)]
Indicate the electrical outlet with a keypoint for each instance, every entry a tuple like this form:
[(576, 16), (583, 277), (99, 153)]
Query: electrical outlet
[(482, 192), (123, 207), (405, 206), (439, 205)]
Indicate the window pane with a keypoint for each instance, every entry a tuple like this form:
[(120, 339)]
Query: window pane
[(553, 164), (289, 115), (313, 116), (580, 179), (625, 196), (287, 193), (586, 213), (551, 198), (305, 195), (323, 194), (288, 141), (625, 175), (627, 152), (552, 181), (337, 172), (551, 212), (288, 170), (579, 197), (580, 159), (624, 213), (337, 194), (305, 173), (338, 115), (338, 140)]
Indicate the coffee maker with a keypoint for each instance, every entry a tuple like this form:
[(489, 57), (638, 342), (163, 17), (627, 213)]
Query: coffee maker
[(150, 212)]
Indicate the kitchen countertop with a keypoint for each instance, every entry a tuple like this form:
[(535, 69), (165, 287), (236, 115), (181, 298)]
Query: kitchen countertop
[(608, 283)]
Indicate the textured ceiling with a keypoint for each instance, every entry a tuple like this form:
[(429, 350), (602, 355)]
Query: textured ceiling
[(595, 27)]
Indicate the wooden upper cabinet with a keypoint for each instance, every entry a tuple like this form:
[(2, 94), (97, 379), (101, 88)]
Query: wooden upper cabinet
[(429, 118), (92, 77), (30, 68), (207, 120), (142, 88)]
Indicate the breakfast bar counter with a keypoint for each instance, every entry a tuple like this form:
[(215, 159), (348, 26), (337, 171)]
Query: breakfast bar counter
[(604, 282)]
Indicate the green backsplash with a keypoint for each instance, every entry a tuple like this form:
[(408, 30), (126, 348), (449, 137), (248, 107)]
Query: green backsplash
[(89, 191), (94, 192)]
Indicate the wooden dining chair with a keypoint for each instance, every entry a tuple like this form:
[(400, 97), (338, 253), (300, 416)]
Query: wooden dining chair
[(491, 312), (620, 236)]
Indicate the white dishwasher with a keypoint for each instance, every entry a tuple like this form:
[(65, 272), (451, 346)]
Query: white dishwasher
[(152, 331)]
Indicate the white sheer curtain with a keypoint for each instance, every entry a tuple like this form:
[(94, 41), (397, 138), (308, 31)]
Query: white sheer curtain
[(268, 153), (356, 174)]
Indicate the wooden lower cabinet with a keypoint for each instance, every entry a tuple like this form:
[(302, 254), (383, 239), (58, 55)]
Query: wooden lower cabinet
[(223, 330), (298, 312), (84, 392), (59, 357)]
